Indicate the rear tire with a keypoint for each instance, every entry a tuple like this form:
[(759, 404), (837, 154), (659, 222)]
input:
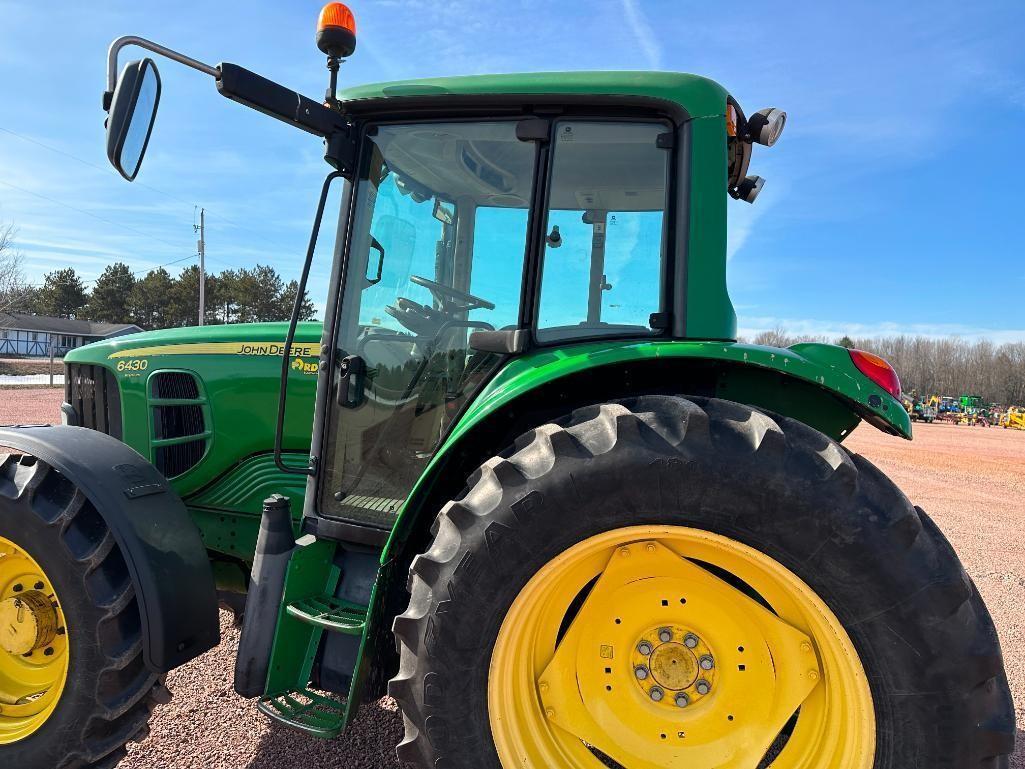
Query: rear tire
[(108, 692), (939, 693)]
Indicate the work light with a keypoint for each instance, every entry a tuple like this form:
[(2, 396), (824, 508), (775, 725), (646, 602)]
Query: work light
[(766, 125), (749, 188)]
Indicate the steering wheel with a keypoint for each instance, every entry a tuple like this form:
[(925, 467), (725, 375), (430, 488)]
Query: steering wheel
[(452, 300)]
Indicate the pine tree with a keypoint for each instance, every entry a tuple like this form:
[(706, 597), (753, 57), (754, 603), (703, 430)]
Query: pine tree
[(151, 299), (62, 294), (307, 312), (111, 299)]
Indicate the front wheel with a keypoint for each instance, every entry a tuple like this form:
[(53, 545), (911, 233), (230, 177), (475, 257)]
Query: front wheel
[(73, 686), (693, 583)]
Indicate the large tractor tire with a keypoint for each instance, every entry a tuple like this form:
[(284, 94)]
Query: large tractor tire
[(694, 583), (73, 686)]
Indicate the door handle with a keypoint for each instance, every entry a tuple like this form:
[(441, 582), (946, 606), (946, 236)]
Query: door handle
[(352, 375)]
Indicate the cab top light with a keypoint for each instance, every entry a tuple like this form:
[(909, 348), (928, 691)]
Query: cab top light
[(336, 31), (878, 370)]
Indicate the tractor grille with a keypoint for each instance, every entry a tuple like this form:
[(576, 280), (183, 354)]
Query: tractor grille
[(94, 394), (175, 460), (176, 421), (174, 384)]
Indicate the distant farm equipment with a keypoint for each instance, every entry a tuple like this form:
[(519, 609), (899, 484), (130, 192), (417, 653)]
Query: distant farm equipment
[(918, 409), (1013, 418), (963, 410)]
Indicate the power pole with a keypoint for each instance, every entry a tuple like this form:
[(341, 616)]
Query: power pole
[(201, 229)]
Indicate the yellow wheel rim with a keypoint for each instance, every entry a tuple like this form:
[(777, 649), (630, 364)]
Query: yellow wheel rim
[(33, 645), (670, 662)]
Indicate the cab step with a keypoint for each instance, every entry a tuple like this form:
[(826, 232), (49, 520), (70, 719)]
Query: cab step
[(306, 711), (330, 613)]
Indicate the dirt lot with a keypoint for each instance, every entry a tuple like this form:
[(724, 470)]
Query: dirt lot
[(971, 480)]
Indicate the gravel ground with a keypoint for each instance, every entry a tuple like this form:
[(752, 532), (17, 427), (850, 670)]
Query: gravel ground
[(30, 406), (970, 480)]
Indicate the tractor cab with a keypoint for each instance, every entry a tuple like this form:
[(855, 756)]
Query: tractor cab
[(482, 218), (471, 240)]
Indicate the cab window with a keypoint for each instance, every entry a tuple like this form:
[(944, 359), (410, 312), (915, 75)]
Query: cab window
[(604, 248)]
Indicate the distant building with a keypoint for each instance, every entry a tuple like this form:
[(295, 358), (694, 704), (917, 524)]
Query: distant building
[(27, 335)]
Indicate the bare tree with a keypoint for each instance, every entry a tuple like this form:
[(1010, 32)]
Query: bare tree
[(15, 293), (939, 366)]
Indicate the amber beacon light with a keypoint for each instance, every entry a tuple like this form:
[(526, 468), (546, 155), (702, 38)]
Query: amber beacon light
[(336, 31)]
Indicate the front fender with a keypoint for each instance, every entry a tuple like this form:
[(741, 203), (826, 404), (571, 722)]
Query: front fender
[(166, 559)]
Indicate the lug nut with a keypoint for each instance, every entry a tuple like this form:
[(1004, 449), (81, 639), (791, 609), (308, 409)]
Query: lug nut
[(18, 588), (656, 694), (682, 700), (644, 648), (703, 687), (665, 635), (690, 640), (39, 586), (706, 662), (641, 672)]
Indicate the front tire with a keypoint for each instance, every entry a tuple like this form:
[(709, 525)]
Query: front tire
[(907, 667), (102, 697)]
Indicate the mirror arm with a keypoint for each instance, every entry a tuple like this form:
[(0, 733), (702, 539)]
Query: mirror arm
[(255, 91), (246, 87), (149, 45)]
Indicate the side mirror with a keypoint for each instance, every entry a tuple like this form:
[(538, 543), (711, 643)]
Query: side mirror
[(131, 115)]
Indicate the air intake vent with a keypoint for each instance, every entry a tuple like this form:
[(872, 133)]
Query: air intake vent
[(176, 459), (177, 421), (174, 384), (94, 394), (180, 429)]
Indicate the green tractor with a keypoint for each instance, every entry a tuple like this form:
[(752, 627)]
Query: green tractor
[(523, 478)]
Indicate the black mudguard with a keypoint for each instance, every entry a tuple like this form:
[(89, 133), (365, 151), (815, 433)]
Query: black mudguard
[(166, 558)]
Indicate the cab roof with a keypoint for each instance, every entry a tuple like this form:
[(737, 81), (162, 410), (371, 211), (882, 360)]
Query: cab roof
[(699, 96)]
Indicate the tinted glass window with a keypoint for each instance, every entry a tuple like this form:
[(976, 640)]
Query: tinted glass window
[(604, 251)]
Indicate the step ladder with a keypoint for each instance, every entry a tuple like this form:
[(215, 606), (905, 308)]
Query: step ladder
[(305, 710)]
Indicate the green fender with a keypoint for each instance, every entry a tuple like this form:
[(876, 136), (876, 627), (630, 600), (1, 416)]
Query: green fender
[(756, 375)]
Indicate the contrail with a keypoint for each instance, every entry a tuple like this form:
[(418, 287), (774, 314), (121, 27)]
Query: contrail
[(643, 33)]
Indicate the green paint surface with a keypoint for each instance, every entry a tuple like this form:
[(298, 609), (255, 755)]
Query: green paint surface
[(698, 95)]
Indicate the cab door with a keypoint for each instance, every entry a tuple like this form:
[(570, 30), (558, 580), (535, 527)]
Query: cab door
[(436, 252)]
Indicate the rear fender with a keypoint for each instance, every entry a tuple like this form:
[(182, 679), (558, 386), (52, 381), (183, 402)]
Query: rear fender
[(166, 559)]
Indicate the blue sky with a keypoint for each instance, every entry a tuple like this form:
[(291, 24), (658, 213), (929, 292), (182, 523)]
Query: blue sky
[(891, 203)]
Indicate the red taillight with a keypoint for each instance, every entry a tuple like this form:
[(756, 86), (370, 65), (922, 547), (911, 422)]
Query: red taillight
[(878, 370)]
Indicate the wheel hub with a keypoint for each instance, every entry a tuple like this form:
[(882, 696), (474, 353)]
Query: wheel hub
[(27, 622), (34, 649), (673, 665)]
